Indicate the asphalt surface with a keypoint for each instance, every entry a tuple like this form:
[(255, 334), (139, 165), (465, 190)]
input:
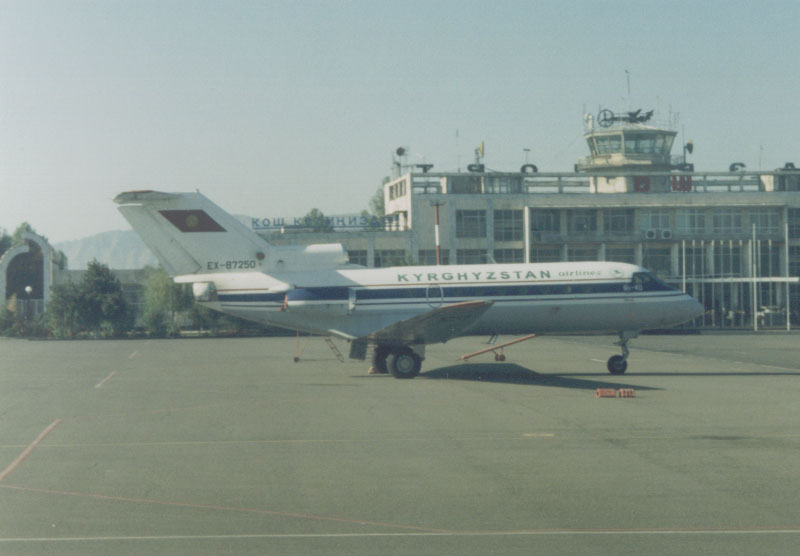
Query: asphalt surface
[(226, 446)]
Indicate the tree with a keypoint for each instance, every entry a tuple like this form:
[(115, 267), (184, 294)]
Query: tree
[(60, 260), (5, 241), (16, 239), (377, 203), (163, 301), (63, 310), (102, 307), (317, 221)]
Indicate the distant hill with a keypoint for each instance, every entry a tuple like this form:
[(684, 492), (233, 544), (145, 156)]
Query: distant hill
[(118, 250)]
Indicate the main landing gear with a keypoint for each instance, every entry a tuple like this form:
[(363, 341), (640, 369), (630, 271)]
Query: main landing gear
[(618, 364), (400, 361)]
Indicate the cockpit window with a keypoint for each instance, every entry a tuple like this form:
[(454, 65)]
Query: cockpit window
[(644, 281)]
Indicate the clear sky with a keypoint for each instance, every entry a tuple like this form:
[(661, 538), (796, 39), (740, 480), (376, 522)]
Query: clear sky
[(272, 108)]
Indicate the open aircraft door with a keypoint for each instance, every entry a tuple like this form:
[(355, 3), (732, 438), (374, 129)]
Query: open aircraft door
[(351, 300)]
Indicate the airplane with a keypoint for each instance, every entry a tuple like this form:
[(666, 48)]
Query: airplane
[(396, 310)]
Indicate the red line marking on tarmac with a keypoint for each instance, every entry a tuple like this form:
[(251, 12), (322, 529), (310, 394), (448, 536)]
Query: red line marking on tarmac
[(216, 507), (100, 384), (27, 451)]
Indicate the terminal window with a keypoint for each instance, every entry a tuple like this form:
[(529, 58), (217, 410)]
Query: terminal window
[(728, 259), (470, 223), (545, 254), (727, 220), (582, 254), (765, 220), (608, 144), (357, 257), (464, 184), (471, 256), (621, 254), (581, 221), (428, 256), (695, 262), (794, 223), (509, 256), (508, 225), (545, 221), (691, 221), (769, 259), (503, 184), (794, 261), (658, 261), (618, 221), (657, 219), (389, 257)]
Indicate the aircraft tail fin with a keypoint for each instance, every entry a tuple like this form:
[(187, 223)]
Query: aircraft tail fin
[(189, 234)]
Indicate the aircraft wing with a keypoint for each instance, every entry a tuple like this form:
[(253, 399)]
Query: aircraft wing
[(437, 325)]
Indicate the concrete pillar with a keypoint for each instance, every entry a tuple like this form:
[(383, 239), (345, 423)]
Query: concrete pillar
[(526, 223)]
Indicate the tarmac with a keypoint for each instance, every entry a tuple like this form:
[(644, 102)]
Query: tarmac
[(226, 446)]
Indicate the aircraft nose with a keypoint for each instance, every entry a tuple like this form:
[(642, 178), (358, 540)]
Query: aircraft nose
[(693, 308)]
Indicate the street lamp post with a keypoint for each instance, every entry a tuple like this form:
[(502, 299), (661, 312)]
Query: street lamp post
[(436, 205)]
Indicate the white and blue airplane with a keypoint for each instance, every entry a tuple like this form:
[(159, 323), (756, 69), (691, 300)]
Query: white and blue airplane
[(398, 310)]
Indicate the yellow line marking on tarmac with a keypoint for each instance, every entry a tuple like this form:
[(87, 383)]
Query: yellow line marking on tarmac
[(108, 377), (532, 533), (27, 451), (271, 441)]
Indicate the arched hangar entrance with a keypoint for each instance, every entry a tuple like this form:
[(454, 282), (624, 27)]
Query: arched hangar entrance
[(26, 276)]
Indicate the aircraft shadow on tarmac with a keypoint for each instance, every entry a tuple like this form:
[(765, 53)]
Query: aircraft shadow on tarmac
[(698, 374), (511, 373)]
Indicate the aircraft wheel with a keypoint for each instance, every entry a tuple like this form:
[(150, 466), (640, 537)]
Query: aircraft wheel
[(404, 363), (617, 365), (379, 358)]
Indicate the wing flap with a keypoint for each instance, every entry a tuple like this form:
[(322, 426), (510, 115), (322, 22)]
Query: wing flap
[(437, 325)]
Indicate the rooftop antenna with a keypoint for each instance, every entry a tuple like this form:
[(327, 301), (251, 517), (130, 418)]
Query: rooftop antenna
[(628, 80), (479, 150), (458, 153), (399, 161)]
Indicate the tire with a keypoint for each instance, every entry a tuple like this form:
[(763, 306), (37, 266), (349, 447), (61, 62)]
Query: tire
[(617, 365), (404, 363), (379, 358)]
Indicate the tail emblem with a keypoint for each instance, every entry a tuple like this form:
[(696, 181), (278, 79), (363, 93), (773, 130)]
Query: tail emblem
[(192, 220)]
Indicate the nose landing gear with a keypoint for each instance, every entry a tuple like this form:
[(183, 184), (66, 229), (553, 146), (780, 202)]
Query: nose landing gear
[(618, 364)]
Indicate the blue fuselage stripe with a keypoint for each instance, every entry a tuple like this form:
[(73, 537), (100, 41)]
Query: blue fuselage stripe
[(409, 294)]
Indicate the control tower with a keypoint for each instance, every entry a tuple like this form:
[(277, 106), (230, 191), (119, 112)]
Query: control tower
[(627, 143)]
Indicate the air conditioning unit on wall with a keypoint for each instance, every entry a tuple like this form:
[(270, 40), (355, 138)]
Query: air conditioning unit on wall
[(666, 234), (652, 233)]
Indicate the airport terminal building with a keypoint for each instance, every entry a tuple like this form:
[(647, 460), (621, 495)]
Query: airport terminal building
[(729, 238)]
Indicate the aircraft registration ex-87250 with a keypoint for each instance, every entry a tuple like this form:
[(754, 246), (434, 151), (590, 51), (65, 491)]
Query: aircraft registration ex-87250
[(398, 310)]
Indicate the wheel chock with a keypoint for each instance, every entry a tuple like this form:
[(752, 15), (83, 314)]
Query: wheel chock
[(611, 393)]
